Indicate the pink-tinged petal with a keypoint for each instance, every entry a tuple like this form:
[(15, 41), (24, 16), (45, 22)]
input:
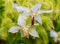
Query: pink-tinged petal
[(33, 33), (36, 7), (21, 21), (38, 19), (42, 11), (14, 29), (53, 34)]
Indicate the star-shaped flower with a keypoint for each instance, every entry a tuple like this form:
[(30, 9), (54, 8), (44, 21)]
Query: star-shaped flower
[(33, 12), (24, 29)]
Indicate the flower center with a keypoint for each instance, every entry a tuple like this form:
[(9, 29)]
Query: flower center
[(32, 18), (25, 31), (33, 14)]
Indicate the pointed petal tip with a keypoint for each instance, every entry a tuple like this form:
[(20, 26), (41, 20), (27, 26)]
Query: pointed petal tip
[(14, 29), (34, 33), (44, 11), (38, 19), (36, 7)]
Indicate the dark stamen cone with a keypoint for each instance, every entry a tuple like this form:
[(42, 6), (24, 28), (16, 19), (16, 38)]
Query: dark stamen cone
[(32, 23)]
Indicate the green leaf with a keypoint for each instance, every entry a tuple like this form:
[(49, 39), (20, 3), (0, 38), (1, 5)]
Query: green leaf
[(47, 23), (8, 6), (43, 34), (3, 33)]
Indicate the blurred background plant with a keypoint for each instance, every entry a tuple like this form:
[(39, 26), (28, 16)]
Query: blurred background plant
[(50, 21)]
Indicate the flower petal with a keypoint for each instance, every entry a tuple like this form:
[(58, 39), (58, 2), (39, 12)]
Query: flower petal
[(21, 21), (21, 8), (33, 33), (53, 34), (25, 14), (38, 19), (36, 7), (14, 29), (42, 11)]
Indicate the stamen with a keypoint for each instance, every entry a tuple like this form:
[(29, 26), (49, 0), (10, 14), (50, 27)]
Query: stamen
[(32, 23), (25, 31)]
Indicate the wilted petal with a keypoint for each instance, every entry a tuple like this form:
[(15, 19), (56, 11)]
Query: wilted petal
[(53, 34), (14, 29), (33, 33), (38, 19), (42, 11), (21, 21), (36, 7)]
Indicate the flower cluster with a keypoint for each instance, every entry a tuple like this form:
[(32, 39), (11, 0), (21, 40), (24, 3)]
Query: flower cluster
[(34, 13)]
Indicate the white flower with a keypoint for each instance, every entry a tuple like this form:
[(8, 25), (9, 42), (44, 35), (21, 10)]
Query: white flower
[(21, 19), (53, 34), (22, 23), (24, 29), (34, 11)]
